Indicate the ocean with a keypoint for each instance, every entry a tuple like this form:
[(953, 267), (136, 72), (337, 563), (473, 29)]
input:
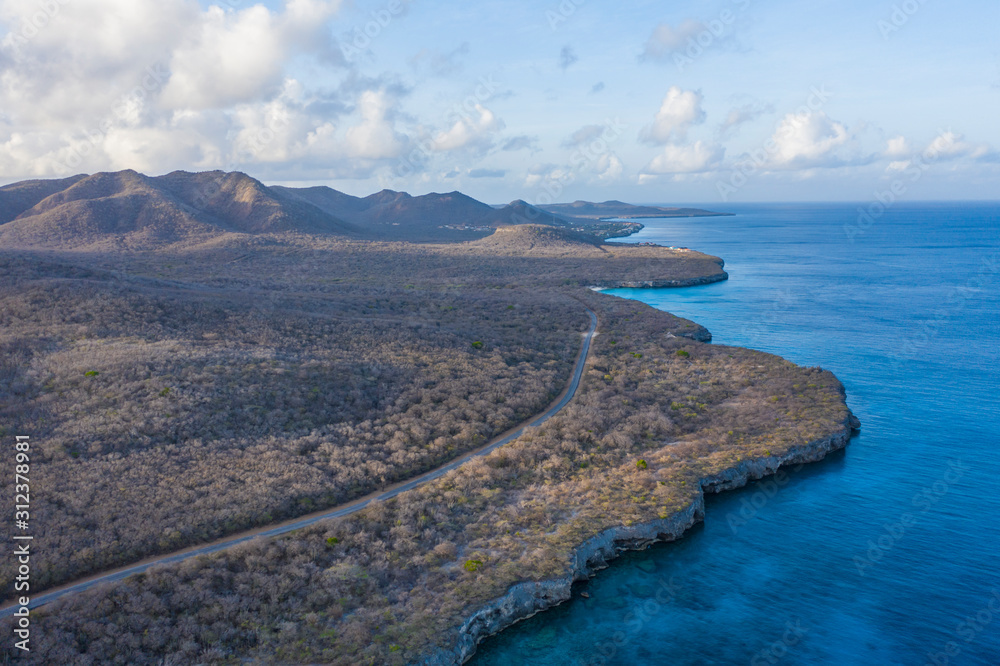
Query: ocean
[(886, 553)]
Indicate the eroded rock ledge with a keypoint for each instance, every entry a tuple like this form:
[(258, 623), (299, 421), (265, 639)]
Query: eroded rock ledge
[(527, 599), (661, 284)]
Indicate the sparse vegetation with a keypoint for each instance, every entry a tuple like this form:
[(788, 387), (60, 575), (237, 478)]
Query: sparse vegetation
[(402, 578), (261, 406), (266, 373)]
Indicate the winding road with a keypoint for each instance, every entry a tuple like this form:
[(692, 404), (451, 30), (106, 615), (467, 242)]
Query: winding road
[(343, 510)]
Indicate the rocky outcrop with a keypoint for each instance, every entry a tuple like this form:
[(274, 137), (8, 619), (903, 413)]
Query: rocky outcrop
[(661, 284), (699, 334), (524, 600)]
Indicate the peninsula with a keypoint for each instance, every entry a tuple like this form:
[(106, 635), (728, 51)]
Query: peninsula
[(199, 356)]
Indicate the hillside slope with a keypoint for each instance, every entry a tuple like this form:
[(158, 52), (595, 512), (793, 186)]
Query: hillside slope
[(391, 215), (128, 210), (19, 197)]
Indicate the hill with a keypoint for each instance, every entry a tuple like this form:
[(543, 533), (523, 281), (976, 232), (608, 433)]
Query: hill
[(19, 197), (245, 204), (621, 210), (122, 210), (390, 215), (450, 216), (131, 211), (521, 212), (537, 239)]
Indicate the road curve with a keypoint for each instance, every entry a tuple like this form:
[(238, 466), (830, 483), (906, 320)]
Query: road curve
[(343, 510)]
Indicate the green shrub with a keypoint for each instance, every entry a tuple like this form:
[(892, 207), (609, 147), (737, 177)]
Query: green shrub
[(477, 345), (683, 354), (332, 541), (642, 464), (91, 373), (473, 566)]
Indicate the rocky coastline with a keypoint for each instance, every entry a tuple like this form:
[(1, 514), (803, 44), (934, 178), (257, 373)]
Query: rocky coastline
[(524, 600), (660, 284)]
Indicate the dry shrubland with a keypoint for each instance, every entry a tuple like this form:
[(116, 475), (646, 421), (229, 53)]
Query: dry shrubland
[(391, 583), (166, 414), (250, 372)]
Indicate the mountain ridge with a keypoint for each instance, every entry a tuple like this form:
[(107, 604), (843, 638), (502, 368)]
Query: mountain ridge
[(132, 211)]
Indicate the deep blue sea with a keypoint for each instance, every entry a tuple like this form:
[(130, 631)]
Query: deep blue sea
[(887, 553)]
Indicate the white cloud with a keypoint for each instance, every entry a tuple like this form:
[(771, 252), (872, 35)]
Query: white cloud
[(547, 173), (469, 131), (234, 57), (667, 40), (87, 55), (375, 137), (808, 140), (680, 111), (153, 85), (950, 145), (609, 168), (678, 159), (898, 147)]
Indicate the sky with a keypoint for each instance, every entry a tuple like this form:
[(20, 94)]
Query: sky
[(548, 101)]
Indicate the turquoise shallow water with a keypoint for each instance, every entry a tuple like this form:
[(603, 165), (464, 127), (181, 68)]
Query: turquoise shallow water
[(888, 553)]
